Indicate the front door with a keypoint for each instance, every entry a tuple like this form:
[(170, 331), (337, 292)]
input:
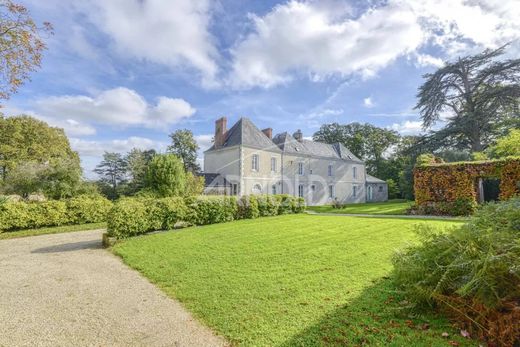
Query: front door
[(369, 193)]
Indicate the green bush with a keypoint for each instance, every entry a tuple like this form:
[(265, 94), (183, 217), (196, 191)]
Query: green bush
[(472, 270), (88, 209), (134, 216), (459, 207), (248, 207), (211, 209), (268, 205)]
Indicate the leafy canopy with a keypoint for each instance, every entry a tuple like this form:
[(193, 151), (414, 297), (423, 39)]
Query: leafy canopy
[(185, 147)]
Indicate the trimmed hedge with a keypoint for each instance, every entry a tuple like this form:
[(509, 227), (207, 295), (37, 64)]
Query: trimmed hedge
[(135, 216), (15, 215)]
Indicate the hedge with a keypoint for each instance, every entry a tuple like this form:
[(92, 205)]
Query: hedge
[(450, 188), (135, 216), (15, 215)]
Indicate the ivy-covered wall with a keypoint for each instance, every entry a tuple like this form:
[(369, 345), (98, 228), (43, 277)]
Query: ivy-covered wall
[(440, 188)]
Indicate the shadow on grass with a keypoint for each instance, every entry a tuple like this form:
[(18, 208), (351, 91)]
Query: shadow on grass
[(376, 318)]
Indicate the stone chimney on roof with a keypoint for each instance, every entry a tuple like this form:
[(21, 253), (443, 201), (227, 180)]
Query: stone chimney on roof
[(298, 135), (268, 132), (220, 131)]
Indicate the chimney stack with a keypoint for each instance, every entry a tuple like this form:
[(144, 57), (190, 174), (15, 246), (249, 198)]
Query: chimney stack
[(268, 132), (220, 131), (298, 135)]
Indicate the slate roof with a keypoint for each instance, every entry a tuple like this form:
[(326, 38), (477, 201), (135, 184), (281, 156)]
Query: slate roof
[(245, 133), (372, 179), (214, 180)]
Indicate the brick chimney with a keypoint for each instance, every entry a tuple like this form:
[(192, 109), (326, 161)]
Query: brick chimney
[(298, 135), (220, 131), (268, 132)]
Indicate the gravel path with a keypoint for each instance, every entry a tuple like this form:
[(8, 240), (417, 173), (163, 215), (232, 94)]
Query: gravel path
[(65, 290)]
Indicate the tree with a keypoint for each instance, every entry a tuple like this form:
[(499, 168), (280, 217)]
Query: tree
[(112, 170), (185, 147), (21, 46), (477, 96), (507, 146), (25, 139), (137, 161), (165, 175), (366, 141)]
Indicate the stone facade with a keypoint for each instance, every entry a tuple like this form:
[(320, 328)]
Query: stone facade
[(255, 163)]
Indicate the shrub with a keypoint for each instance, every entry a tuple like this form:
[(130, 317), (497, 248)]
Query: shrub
[(211, 209), (248, 207), (459, 207), (472, 272), (88, 209), (267, 205), (134, 216), (24, 215)]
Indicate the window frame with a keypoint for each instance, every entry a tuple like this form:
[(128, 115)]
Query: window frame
[(274, 190), (274, 165), (354, 191), (331, 191), (329, 170), (354, 172), (301, 191), (301, 169), (255, 162)]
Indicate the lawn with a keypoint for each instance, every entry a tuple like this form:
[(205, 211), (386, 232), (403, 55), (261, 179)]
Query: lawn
[(53, 230), (296, 280), (397, 207)]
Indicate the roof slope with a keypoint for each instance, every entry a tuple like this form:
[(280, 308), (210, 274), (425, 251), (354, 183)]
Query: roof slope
[(372, 179), (245, 133)]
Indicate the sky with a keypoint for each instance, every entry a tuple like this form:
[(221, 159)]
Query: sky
[(120, 74)]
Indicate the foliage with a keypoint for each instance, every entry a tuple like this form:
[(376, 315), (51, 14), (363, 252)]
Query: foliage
[(185, 147), (442, 188), (112, 171), (134, 216), (212, 209), (479, 92), (165, 175), (21, 46), (366, 141), (137, 161), (507, 146), (194, 185), (24, 139), (292, 280), (16, 215), (393, 189), (472, 271)]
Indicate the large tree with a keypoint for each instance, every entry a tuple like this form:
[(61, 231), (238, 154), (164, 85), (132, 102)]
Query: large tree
[(21, 46), (366, 141), (112, 170), (477, 96), (137, 162), (185, 147), (25, 139)]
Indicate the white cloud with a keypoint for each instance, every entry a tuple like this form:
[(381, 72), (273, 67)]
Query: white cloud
[(368, 103), (118, 106), (172, 33), (310, 37), (93, 148), (408, 127)]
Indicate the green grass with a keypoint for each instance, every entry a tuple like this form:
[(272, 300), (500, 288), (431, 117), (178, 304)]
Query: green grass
[(296, 280), (53, 230), (397, 207)]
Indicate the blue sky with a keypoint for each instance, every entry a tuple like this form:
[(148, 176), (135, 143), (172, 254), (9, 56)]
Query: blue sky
[(125, 73)]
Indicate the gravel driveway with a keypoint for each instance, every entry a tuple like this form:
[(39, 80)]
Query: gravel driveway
[(65, 290)]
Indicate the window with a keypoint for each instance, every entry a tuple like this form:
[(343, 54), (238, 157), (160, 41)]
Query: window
[(300, 191), (300, 169), (380, 189), (235, 189), (330, 170), (273, 189), (257, 189), (254, 164), (331, 192), (369, 193), (354, 172), (273, 164), (313, 188), (354, 191)]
